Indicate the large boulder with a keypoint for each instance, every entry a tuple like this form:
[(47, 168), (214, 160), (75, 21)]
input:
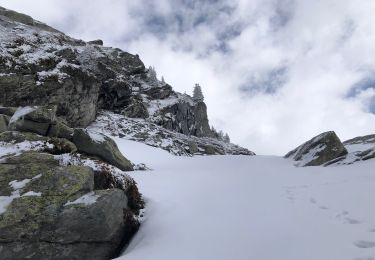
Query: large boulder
[(318, 151), (51, 211), (99, 145)]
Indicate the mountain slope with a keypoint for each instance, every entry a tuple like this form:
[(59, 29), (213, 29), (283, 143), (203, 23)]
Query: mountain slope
[(259, 207)]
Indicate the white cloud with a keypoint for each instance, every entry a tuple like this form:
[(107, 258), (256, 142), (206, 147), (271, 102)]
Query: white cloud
[(325, 46)]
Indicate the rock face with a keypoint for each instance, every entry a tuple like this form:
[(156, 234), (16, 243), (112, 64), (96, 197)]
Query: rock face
[(53, 211), (319, 150), (43, 67), (100, 145)]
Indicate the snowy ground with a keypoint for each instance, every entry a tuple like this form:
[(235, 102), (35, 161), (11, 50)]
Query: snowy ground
[(251, 207)]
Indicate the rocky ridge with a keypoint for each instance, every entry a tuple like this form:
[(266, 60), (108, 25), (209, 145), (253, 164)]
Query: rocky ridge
[(327, 149), (154, 135)]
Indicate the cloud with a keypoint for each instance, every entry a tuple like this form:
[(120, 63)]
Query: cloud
[(274, 72)]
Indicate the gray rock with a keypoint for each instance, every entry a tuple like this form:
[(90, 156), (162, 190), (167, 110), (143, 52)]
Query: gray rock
[(319, 150), (60, 129), (37, 121), (159, 92), (9, 111), (136, 109), (4, 121), (96, 42), (367, 139), (186, 118), (78, 78), (360, 148), (102, 146), (57, 214)]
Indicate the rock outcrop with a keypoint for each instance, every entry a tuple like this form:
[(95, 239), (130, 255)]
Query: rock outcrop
[(60, 202), (41, 66), (318, 151)]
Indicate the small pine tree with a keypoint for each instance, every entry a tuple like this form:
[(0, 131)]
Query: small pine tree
[(197, 93), (152, 74), (226, 138), (162, 80), (221, 135)]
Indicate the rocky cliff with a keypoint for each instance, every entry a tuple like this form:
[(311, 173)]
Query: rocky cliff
[(40, 65)]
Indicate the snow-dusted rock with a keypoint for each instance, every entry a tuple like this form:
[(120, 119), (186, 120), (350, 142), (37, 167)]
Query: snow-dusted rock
[(33, 119), (360, 148), (319, 150), (42, 66), (154, 135), (97, 144), (55, 208)]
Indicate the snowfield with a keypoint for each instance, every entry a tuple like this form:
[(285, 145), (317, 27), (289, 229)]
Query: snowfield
[(251, 207)]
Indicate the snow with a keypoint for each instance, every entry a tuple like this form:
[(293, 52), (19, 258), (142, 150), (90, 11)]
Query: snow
[(32, 194), (251, 207), (16, 185), (87, 199), (359, 147), (5, 201), (310, 155), (21, 112), (96, 136), (17, 148)]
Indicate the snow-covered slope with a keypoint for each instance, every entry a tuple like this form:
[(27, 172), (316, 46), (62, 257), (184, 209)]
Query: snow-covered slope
[(251, 207)]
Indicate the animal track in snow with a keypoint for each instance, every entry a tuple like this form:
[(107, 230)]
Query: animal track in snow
[(313, 201), (364, 244), (352, 221), (342, 214)]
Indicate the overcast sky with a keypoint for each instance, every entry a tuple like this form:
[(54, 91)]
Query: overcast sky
[(274, 73)]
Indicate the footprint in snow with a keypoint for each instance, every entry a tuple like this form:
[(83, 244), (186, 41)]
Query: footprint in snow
[(372, 230), (313, 201), (342, 214), (352, 221), (364, 244)]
